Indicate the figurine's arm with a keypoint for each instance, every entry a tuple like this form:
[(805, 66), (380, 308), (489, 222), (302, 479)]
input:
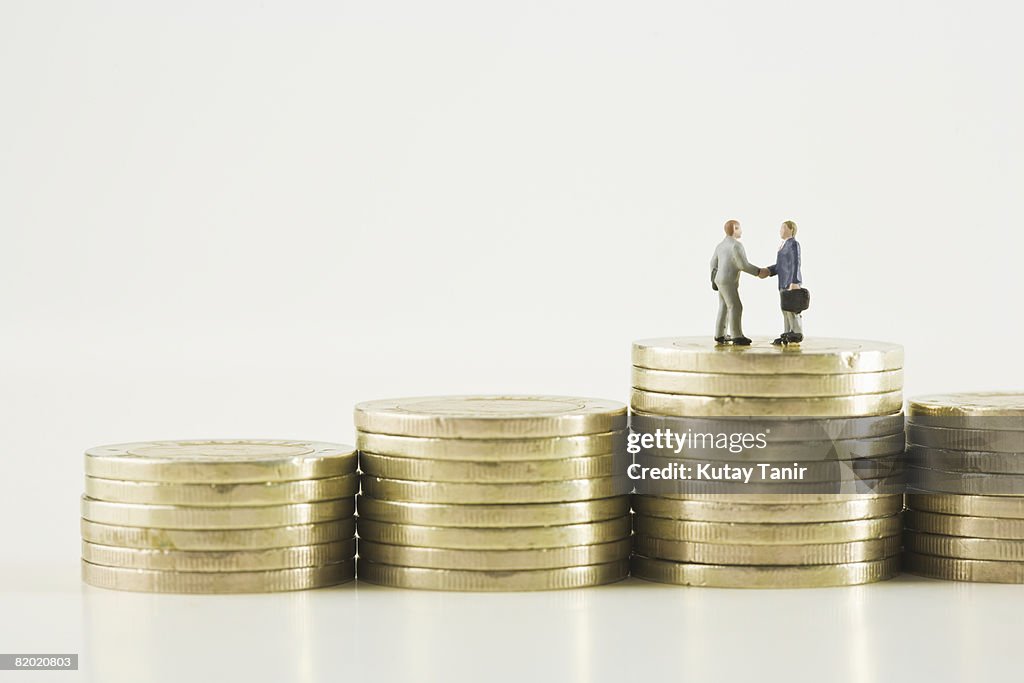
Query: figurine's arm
[(743, 263), (714, 270), (797, 277)]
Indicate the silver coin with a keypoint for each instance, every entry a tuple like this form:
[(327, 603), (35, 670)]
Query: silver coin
[(1004, 441), (966, 461)]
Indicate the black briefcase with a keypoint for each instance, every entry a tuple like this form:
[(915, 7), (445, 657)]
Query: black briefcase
[(796, 300)]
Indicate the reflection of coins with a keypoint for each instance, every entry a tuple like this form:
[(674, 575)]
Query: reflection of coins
[(485, 417), (975, 506), (264, 559), (155, 581), (503, 450), (765, 576), (218, 539), (952, 569), (767, 386), (817, 533), (813, 356), (520, 538), (217, 495), (465, 492), (179, 517), (836, 406), (526, 515), (494, 560), (475, 580), (777, 554), (417, 469), (961, 525), (723, 509), (220, 461)]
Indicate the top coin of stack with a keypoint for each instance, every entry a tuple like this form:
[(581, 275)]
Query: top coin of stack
[(219, 516), (835, 402), (492, 493), (965, 518)]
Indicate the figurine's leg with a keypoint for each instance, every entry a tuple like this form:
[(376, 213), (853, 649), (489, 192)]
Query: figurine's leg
[(720, 320), (731, 297)]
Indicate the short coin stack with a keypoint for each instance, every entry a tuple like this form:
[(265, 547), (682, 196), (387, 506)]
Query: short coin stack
[(492, 493), (219, 516), (833, 405), (965, 518)]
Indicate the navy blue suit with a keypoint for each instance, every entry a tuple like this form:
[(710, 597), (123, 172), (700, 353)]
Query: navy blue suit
[(787, 267), (787, 264)]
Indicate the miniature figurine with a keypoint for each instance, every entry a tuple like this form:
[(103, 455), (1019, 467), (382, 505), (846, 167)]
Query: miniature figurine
[(787, 267), (729, 261)]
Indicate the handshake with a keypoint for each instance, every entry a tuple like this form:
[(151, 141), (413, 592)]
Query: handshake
[(763, 273)]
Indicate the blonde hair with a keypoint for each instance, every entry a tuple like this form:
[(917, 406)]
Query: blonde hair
[(791, 226), (730, 227)]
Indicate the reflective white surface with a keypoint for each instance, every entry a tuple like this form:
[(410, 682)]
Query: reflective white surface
[(905, 629)]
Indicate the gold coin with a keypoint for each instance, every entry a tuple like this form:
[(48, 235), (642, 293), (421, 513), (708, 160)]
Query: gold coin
[(156, 581), (969, 404), (998, 549), (952, 569), (529, 515), (780, 430), (815, 356), (772, 491), (216, 539), (494, 471), (964, 483), (779, 498), (522, 538), (957, 525), (781, 554), (490, 417), (495, 560), (466, 580), (704, 406), (473, 493), (766, 386), (726, 576), (956, 440), (867, 507), (716, 449), (503, 450), (177, 517), (812, 471), (220, 461), (973, 506), (222, 495), (816, 533), (220, 561), (966, 461)]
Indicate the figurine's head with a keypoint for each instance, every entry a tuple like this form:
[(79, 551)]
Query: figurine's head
[(787, 230), (733, 229)]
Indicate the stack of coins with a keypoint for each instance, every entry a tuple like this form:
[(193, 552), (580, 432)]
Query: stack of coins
[(493, 493), (965, 518), (219, 516), (820, 427)]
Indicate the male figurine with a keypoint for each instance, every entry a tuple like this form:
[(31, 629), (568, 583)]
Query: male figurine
[(729, 261), (787, 267)]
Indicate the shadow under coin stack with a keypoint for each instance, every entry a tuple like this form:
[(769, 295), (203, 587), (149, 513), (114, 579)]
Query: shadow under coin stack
[(493, 493), (831, 406), (219, 516), (965, 499)]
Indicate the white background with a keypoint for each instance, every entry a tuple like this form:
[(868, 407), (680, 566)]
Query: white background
[(240, 218)]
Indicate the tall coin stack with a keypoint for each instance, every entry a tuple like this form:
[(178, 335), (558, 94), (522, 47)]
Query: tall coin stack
[(492, 493), (965, 518), (830, 406), (219, 516)]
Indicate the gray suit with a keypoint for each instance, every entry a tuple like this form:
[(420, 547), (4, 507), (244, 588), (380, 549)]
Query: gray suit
[(729, 261)]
